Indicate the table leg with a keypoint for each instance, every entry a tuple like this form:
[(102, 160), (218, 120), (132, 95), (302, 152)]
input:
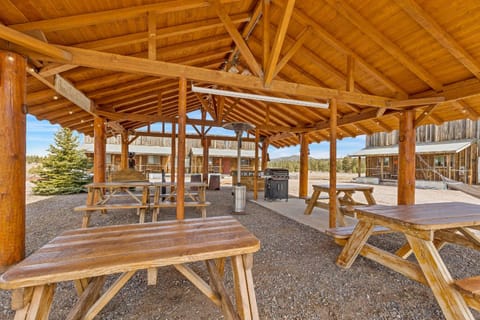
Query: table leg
[(312, 202), (217, 286), (439, 279), (355, 243), (369, 197), (244, 289), (38, 307)]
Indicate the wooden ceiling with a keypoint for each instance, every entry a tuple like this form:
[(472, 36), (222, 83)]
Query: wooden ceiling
[(121, 60)]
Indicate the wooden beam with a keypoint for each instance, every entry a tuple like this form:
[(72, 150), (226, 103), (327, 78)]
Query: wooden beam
[(422, 17), (238, 39), (303, 18), (115, 62), (278, 41), (33, 44), (54, 68), (189, 136), (415, 102), (299, 41), (394, 50), (96, 18)]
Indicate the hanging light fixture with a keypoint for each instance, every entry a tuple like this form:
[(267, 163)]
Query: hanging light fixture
[(258, 97)]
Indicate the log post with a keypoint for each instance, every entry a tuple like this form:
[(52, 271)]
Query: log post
[(99, 152), (303, 182), (182, 120), (13, 81), (124, 154), (332, 204), (406, 158), (206, 146), (255, 169), (359, 169), (174, 152), (265, 154)]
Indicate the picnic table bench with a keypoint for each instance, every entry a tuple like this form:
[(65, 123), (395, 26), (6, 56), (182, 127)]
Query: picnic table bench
[(427, 227), (88, 256)]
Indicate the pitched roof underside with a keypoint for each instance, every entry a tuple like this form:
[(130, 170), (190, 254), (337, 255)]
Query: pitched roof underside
[(372, 56)]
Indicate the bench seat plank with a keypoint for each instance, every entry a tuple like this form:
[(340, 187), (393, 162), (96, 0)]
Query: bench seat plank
[(469, 286), (346, 232), (112, 206)]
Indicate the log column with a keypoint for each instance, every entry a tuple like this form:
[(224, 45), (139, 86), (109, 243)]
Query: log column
[(174, 152), (99, 152), (255, 169), (206, 146), (303, 182), (406, 158), (124, 154), (12, 158), (332, 205), (182, 120), (265, 154)]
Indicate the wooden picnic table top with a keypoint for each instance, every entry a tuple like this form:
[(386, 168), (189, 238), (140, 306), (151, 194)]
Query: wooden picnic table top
[(343, 187), (428, 216), (86, 253)]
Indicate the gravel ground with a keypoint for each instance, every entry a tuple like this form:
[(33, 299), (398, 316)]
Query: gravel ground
[(294, 272)]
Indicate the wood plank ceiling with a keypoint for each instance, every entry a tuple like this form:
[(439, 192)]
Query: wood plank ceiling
[(377, 58)]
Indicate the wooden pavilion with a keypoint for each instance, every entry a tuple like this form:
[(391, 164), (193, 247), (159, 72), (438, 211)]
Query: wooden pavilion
[(319, 70)]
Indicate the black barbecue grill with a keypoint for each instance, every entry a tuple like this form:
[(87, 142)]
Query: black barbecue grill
[(276, 184)]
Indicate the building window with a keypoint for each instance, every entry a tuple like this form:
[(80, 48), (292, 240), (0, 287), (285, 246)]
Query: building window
[(440, 161), (153, 159), (386, 161)]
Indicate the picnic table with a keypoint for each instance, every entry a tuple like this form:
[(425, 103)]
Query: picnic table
[(344, 199), (100, 195), (88, 256), (427, 227)]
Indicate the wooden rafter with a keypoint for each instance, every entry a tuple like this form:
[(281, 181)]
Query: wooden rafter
[(278, 42), (350, 81), (394, 50), (100, 17), (152, 35), (266, 32), (472, 114), (362, 128), (446, 40), (383, 125), (299, 40), (303, 18), (238, 39)]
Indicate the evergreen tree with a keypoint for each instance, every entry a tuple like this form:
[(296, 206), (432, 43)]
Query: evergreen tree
[(64, 170)]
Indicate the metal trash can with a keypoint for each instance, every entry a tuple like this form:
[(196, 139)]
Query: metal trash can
[(239, 198)]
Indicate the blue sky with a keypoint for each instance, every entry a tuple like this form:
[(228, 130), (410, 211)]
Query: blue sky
[(40, 137)]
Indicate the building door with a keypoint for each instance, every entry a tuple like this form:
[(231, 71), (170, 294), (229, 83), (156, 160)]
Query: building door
[(226, 166)]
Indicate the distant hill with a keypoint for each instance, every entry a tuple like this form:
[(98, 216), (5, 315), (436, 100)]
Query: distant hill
[(289, 158)]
